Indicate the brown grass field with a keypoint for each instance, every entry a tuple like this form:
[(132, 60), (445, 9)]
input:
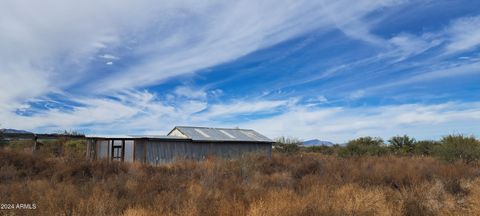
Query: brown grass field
[(298, 184)]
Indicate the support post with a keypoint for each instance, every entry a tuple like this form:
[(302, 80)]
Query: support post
[(123, 150), (34, 144), (134, 152), (145, 151), (112, 149)]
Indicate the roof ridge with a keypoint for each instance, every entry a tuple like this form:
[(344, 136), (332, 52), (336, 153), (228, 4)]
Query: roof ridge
[(219, 128)]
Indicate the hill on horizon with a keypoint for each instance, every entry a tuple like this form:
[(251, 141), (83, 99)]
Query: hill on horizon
[(317, 142), (14, 131)]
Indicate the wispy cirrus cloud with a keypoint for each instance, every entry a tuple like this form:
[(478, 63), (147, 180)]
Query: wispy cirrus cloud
[(464, 34), (47, 46), (340, 124), (206, 39), (54, 46), (301, 68), (144, 112), (134, 111)]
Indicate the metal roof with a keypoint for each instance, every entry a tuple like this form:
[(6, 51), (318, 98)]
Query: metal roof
[(221, 134), (134, 137)]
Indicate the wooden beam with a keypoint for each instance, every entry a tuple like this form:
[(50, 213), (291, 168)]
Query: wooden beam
[(144, 151), (112, 151), (97, 146), (35, 144), (87, 151), (134, 143), (123, 149)]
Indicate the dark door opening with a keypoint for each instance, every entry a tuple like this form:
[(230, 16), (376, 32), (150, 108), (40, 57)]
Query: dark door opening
[(118, 150)]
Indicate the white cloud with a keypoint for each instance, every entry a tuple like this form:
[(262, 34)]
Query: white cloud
[(19, 83), (208, 38), (187, 92), (418, 76), (341, 124), (47, 46), (133, 112), (216, 92), (407, 45), (429, 75), (51, 47), (108, 56), (356, 94), (464, 33), (244, 107), (347, 16), (322, 99), (95, 111)]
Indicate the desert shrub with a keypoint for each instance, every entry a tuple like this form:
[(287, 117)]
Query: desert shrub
[(75, 148), (364, 146), (84, 171), (402, 144), (50, 148), (20, 165), (425, 147), (286, 184), (458, 147), (328, 150), (20, 145), (286, 148), (3, 142), (287, 145)]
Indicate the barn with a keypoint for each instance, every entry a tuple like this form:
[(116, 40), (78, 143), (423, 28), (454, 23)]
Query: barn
[(182, 142)]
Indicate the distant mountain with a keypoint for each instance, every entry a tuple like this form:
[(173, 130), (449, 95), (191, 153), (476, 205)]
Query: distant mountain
[(14, 131), (317, 142)]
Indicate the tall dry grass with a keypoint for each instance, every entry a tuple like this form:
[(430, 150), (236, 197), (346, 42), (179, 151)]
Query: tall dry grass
[(302, 184)]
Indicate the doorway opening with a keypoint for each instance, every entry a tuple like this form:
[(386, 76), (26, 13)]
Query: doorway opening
[(118, 150)]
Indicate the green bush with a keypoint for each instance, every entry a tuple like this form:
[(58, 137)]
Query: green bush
[(76, 147), (458, 147), (70, 148), (402, 144), (50, 148), (328, 150), (20, 145), (425, 147), (286, 148), (287, 145), (3, 142), (364, 146)]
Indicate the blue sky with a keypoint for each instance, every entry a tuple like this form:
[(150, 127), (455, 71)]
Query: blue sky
[(332, 70)]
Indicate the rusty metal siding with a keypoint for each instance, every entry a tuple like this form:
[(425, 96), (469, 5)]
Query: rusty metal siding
[(159, 152)]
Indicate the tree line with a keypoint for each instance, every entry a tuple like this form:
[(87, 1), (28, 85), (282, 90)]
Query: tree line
[(449, 148)]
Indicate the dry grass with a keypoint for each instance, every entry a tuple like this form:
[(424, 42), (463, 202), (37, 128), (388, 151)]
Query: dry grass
[(307, 184)]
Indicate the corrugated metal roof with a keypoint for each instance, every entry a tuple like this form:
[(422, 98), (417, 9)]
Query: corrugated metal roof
[(221, 134), (133, 137)]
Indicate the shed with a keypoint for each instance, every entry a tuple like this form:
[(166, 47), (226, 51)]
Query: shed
[(183, 142)]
